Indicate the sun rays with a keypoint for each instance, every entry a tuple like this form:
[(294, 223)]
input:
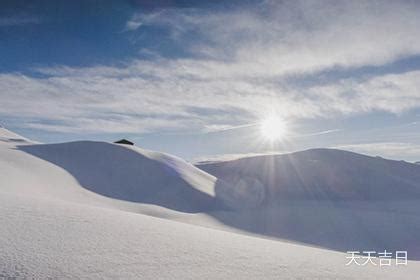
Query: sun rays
[(273, 128)]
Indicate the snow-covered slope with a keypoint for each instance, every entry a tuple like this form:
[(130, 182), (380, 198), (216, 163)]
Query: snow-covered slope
[(132, 174), (9, 136), (329, 198), (82, 210), (115, 171), (42, 238), (319, 174)]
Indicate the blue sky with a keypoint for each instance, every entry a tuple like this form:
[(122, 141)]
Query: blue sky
[(195, 78)]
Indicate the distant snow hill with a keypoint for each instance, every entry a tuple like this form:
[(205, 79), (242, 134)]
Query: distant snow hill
[(321, 174), (325, 197), (94, 210)]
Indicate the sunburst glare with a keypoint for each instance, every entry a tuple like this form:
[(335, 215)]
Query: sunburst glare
[(273, 128)]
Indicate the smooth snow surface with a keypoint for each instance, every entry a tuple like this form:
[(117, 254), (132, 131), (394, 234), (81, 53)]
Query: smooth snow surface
[(95, 210), (329, 198), (324, 174)]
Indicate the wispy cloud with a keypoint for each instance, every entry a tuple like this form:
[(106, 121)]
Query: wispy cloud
[(229, 157), (274, 38), (320, 133), (239, 65), (158, 96), (393, 150), (18, 20)]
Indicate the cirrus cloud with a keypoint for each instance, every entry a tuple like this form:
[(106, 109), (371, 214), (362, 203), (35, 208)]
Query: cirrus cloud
[(239, 66)]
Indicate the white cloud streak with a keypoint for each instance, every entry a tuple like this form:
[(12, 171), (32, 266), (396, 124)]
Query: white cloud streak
[(238, 70), (109, 102), (392, 150), (19, 20), (276, 37)]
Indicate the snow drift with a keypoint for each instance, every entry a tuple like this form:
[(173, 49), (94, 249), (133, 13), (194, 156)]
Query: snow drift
[(44, 238), (82, 210), (320, 174), (132, 174), (324, 197)]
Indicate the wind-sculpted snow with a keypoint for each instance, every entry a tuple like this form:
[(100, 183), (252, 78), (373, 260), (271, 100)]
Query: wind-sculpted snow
[(83, 210), (51, 239), (324, 174), (9, 136), (132, 174), (329, 198)]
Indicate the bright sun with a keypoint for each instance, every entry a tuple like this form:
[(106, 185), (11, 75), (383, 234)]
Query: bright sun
[(273, 128)]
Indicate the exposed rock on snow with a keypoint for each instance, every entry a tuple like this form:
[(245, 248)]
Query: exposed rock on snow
[(8, 136)]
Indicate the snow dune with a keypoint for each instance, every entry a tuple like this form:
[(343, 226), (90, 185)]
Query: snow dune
[(329, 198), (132, 174), (43, 238), (322, 174), (89, 210)]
